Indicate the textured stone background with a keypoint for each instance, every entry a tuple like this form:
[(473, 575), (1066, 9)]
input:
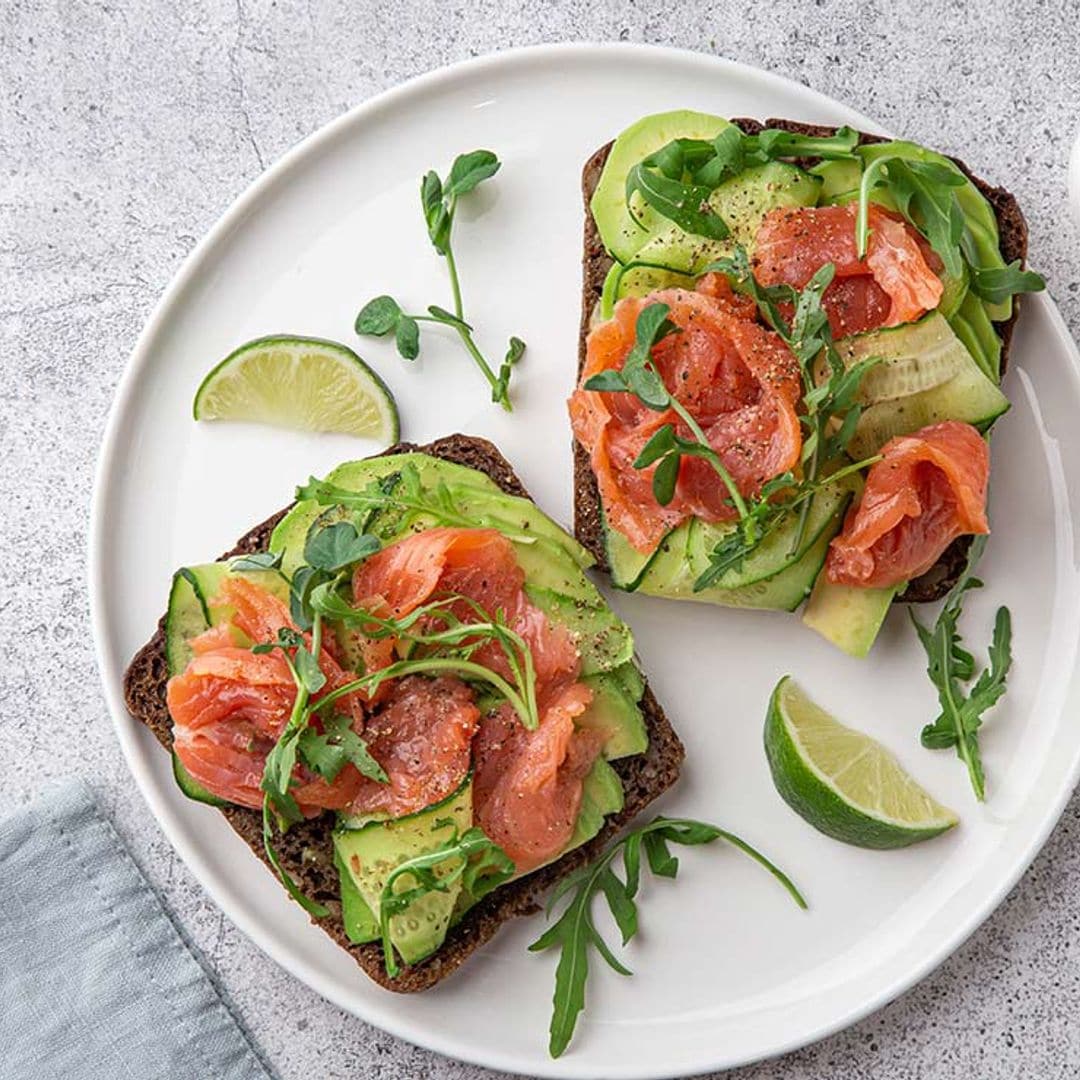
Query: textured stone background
[(126, 128)]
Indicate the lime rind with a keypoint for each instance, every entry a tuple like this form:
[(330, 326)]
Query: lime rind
[(843, 783), (308, 384)]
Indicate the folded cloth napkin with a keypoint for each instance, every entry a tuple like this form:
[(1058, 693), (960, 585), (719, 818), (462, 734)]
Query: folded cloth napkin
[(95, 981)]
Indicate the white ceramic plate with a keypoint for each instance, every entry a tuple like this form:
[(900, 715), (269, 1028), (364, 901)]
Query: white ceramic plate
[(729, 970)]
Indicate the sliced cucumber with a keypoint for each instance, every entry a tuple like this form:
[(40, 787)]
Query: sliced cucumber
[(369, 855), (683, 555), (628, 566), (192, 600), (848, 617), (918, 357), (913, 357), (970, 397), (621, 233), (191, 787)]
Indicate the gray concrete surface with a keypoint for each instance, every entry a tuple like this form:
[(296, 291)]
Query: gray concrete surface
[(126, 128)]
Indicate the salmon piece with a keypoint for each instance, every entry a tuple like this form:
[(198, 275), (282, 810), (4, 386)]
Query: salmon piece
[(735, 377), (229, 705), (928, 489), (897, 278), (423, 739), (527, 789), (479, 564), (528, 784)]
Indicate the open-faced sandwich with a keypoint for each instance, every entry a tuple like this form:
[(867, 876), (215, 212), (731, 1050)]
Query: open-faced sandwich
[(405, 694), (791, 352)]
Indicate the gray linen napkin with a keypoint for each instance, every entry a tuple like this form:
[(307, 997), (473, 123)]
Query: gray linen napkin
[(95, 981)]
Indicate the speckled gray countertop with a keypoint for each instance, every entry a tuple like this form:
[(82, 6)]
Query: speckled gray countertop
[(127, 127)]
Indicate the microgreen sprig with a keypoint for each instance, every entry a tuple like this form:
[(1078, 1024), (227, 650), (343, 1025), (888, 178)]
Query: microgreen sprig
[(384, 315), (575, 932), (951, 666)]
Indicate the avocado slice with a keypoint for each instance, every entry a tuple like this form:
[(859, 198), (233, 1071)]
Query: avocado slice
[(849, 617), (615, 712), (602, 638), (622, 233)]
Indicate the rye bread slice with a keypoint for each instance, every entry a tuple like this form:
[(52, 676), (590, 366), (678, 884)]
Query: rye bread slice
[(306, 850), (596, 262)]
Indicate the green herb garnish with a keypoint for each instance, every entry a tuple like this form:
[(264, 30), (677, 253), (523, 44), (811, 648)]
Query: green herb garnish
[(575, 933), (384, 315), (926, 194), (951, 666), (471, 856), (829, 417), (678, 179)]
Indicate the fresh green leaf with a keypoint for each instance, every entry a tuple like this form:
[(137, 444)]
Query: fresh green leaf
[(574, 933), (610, 381), (407, 337), (378, 317), (996, 284), (337, 745), (307, 667), (665, 478), (685, 204), (469, 170), (950, 666), (334, 547), (661, 443)]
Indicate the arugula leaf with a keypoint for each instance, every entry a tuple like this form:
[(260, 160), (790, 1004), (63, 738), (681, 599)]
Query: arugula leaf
[(384, 315), (950, 666), (337, 745), (685, 204), (677, 180), (334, 547), (995, 284), (574, 933)]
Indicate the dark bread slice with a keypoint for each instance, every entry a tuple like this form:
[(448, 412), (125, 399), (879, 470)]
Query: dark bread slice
[(596, 262), (306, 850)]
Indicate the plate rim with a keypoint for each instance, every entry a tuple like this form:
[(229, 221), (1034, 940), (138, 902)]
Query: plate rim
[(130, 734)]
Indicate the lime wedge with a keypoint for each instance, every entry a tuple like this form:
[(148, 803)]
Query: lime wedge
[(302, 383), (841, 781)]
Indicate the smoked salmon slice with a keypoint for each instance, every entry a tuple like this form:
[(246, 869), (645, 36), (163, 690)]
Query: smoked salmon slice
[(735, 377), (229, 704), (528, 784), (928, 489), (895, 283)]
